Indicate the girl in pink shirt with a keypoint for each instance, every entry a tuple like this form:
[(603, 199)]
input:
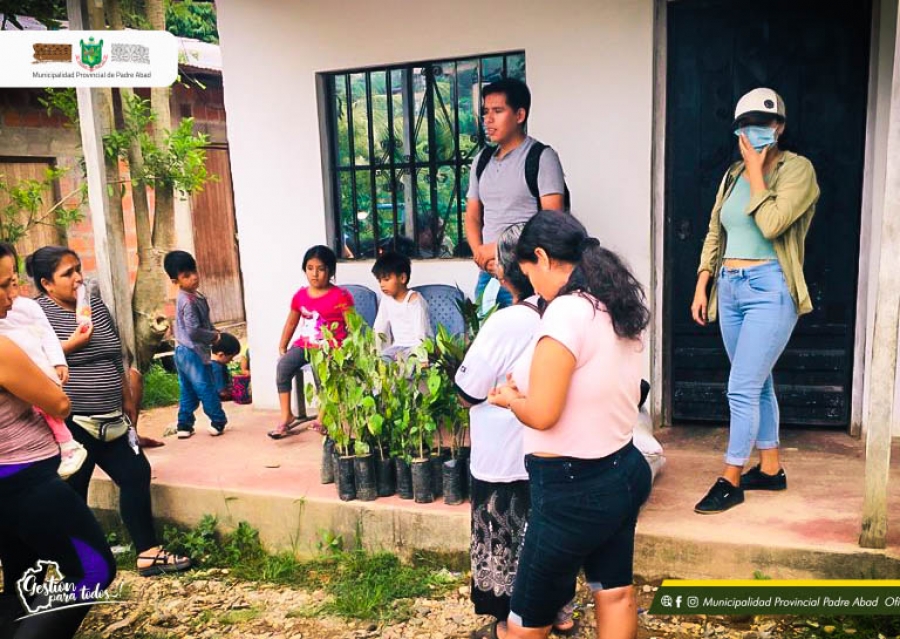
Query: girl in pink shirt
[(577, 389), (321, 304)]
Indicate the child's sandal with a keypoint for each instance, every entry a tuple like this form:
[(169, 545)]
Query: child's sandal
[(163, 562)]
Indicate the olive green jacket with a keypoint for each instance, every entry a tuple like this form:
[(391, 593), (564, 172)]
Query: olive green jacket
[(782, 212)]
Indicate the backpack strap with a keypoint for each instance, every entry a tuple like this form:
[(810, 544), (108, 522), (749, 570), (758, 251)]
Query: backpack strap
[(483, 159), (532, 167)]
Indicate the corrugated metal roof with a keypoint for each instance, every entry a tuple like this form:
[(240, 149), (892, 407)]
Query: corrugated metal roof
[(193, 54)]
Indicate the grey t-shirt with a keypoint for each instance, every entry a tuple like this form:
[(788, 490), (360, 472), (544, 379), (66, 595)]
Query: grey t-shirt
[(504, 193)]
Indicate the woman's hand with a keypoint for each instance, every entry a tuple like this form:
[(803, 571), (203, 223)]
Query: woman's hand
[(503, 396), (699, 307), (753, 159), (753, 164), (79, 339)]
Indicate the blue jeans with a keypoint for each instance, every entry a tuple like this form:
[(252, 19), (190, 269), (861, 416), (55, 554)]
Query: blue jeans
[(196, 381), (220, 376), (504, 297), (756, 317)]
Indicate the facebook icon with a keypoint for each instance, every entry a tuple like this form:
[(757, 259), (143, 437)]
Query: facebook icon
[(678, 601)]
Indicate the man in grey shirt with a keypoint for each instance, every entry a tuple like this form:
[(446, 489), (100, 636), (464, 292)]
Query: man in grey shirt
[(500, 197)]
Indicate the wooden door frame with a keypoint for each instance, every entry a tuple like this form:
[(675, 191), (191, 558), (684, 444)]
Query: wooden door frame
[(660, 331)]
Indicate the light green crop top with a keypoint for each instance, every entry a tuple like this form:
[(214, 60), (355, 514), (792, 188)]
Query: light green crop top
[(745, 240)]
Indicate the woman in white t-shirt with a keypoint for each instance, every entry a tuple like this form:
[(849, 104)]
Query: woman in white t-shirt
[(499, 487), (577, 388)]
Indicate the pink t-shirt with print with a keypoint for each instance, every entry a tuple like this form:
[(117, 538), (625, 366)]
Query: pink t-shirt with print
[(601, 405), (316, 312)]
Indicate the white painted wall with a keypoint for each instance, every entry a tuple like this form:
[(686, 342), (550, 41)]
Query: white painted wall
[(589, 64)]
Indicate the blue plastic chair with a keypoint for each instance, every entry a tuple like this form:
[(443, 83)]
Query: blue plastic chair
[(365, 300), (442, 307)]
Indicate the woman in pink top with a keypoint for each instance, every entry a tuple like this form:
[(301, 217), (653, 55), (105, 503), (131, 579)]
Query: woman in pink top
[(587, 479), (319, 305)]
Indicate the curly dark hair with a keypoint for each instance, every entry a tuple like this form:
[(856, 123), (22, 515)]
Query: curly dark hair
[(598, 271)]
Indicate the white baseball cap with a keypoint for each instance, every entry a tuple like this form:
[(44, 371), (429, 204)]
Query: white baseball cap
[(761, 101)]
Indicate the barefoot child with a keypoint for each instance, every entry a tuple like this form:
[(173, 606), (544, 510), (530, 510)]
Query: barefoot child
[(27, 326), (321, 304)]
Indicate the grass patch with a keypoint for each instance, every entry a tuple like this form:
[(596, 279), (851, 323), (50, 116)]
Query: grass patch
[(160, 387), (125, 555), (236, 617), (360, 585), (373, 586)]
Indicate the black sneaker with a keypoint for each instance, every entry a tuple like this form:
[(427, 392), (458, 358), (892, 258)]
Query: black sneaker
[(756, 479), (185, 432), (722, 496)]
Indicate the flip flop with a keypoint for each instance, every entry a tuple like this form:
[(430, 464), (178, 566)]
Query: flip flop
[(285, 430), (487, 631), (568, 632)]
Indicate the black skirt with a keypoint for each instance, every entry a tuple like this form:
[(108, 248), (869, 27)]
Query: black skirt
[(499, 514)]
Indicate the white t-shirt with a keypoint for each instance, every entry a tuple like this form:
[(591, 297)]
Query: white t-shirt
[(601, 406), (496, 434), (27, 326), (405, 324)]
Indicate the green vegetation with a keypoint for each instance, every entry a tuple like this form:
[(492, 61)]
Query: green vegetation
[(191, 19), (406, 422), (874, 627), (160, 387), (360, 585), (31, 203)]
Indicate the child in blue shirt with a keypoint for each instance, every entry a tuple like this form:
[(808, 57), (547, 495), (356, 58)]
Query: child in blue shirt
[(194, 337), (223, 353)]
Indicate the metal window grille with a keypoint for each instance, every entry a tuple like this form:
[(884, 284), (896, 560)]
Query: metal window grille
[(400, 143)]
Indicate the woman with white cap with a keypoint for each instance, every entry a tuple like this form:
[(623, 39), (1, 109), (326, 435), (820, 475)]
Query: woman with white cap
[(753, 253)]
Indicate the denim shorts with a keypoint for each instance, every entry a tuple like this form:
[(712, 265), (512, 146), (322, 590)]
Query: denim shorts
[(583, 515)]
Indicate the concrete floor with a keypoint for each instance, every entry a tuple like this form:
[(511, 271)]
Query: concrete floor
[(808, 531)]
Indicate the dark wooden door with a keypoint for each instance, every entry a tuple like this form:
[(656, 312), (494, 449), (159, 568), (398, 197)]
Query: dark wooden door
[(215, 241), (816, 55)]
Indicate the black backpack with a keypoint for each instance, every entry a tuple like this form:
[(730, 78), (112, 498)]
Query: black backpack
[(532, 166)]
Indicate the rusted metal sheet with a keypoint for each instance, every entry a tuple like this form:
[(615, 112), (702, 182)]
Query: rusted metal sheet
[(216, 242)]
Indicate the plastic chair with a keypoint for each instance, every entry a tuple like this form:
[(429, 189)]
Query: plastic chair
[(442, 307), (365, 300)]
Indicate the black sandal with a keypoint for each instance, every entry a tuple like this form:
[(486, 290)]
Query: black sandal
[(163, 562), (487, 631)]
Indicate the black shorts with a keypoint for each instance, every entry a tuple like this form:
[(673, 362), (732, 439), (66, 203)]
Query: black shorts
[(583, 515)]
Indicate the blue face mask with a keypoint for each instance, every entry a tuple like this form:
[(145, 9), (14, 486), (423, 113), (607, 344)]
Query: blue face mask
[(760, 136)]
